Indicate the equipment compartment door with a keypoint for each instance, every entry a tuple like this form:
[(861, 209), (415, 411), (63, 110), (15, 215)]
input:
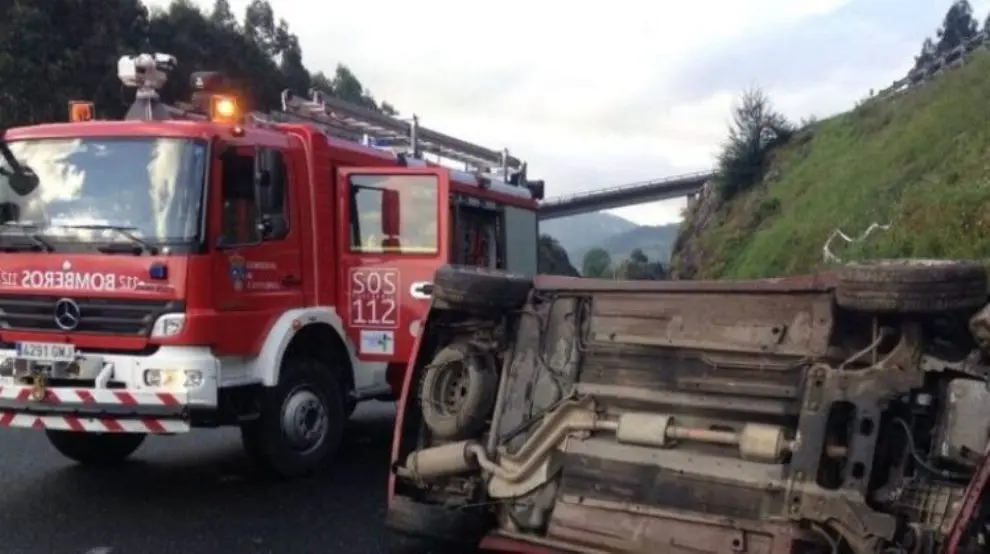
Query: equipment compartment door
[(393, 237)]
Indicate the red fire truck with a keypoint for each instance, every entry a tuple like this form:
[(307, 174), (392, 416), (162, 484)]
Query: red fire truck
[(194, 266)]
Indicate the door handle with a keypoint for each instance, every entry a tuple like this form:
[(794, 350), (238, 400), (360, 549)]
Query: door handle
[(291, 281), (421, 290)]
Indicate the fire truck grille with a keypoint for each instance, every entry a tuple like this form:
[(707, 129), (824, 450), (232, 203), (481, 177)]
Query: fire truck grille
[(96, 315)]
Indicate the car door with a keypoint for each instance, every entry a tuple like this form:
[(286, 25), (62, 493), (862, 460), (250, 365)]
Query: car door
[(393, 237)]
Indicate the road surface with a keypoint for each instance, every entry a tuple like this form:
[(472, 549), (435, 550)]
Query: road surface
[(194, 494)]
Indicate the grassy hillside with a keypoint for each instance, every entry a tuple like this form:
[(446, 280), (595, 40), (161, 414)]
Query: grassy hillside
[(920, 161)]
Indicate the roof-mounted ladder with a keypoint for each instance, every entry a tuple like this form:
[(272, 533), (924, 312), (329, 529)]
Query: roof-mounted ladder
[(348, 121)]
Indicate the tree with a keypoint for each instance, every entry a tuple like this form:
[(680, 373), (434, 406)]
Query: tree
[(639, 268), (596, 263), (552, 258), (757, 129), (929, 53), (259, 25), (957, 27), (222, 16), (77, 46)]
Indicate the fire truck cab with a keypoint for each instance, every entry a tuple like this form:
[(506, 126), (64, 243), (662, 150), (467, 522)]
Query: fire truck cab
[(194, 266)]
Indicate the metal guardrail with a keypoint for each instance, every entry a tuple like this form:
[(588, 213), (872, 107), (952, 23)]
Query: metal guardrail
[(628, 187), (957, 57)]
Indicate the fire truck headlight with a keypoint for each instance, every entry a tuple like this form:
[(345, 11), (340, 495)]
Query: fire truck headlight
[(173, 378), (168, 325), (194, 379), (154, 377)]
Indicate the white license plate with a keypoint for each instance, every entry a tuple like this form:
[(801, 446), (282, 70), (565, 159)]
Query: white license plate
[(46, 351)]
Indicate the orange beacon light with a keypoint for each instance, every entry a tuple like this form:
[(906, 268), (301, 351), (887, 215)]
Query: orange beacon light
[(80, 110)]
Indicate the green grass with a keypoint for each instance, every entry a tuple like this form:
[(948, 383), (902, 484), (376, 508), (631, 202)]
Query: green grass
[(920, 162)]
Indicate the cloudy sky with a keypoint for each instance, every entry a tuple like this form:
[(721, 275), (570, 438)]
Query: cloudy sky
[(614, 92)]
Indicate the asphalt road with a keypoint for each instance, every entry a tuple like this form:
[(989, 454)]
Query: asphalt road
[(194, 494)]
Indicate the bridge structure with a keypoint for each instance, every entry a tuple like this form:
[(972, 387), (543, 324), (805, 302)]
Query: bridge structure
[(630, 194)]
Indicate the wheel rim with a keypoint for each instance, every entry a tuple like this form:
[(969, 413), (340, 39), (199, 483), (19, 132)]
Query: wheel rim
[(451, 388), (304, 420)]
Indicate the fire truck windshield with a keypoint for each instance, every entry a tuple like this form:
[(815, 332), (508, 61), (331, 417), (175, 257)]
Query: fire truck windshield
[(91, 188)]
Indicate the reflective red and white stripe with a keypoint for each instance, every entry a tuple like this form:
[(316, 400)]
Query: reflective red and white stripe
[(154, 426), (61, 395), (91, 398)]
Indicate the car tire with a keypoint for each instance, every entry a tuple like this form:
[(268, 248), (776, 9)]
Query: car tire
[(457, 392), (419, 528), (912, 286), (478, 289), (301, 422), (95, 449)]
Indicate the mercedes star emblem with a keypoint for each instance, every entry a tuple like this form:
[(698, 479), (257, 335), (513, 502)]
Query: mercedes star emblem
[(67, 314)]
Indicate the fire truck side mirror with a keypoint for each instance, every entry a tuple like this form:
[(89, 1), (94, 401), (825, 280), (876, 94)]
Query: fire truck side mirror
[(390, 213), (537, 189)]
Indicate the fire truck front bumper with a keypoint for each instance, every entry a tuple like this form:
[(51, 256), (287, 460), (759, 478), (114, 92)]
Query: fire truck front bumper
[(109, 393)]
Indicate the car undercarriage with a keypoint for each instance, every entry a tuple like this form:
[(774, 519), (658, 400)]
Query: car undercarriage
[(839, 413)]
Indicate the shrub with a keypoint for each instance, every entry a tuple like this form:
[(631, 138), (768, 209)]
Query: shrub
[(756, 130)]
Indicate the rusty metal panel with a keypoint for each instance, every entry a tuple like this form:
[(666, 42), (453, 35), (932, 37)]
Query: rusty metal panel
[(631, 532), (795, 325), (821, 282)]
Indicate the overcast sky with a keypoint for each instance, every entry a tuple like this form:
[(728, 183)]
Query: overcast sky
[(600, 94)]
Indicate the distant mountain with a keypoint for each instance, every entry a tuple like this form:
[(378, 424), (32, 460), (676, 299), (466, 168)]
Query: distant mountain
[(656, 241), (617, 235), (579, 233)]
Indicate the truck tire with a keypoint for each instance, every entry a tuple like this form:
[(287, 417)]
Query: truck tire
[(912, 286), (301, 421), (480, 289), (417, 528), (457, 393), (350, 406), (95, 449)]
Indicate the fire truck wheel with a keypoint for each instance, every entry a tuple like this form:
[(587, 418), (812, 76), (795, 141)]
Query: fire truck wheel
[(480, 289), (350, 405), (301, 422), (458, 392), (417, 528), (95, 449), (912, 286)]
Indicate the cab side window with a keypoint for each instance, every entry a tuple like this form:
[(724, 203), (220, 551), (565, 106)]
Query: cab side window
[(394, 214), (240, 206), (254, 213), (274, 201)]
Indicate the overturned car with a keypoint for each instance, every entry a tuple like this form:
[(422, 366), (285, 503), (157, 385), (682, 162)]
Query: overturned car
[(840, 413)]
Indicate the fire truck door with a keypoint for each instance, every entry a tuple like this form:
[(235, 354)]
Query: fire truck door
[(393, 237), (256, 270)]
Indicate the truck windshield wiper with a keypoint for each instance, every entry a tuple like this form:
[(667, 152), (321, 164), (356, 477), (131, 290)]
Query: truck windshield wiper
[(122, 230), (29, 230)]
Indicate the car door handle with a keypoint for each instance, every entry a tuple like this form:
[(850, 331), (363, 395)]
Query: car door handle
[(291, 281), (421, 290)]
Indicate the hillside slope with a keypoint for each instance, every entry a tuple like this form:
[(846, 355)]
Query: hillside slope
[(919, 161)]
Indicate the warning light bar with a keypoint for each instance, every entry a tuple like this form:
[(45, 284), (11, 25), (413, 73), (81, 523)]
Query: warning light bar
[(80, 110), (223, 109)]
